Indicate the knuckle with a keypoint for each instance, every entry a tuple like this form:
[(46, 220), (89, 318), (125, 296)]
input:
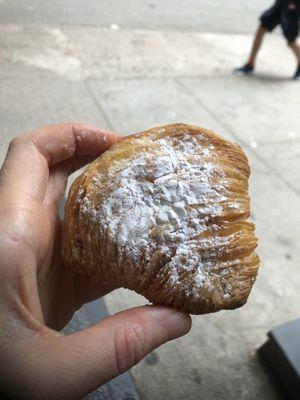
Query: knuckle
[(14, 142), (129, 346)]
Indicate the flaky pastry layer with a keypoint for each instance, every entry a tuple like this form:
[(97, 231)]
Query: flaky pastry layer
[(164, 213)]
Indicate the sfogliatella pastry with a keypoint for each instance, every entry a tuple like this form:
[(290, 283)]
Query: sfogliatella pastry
[(164, 212)]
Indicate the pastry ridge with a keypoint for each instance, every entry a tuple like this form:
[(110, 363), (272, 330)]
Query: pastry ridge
[(164, 212)]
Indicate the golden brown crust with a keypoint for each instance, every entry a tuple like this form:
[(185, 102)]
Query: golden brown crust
[(164, 212)]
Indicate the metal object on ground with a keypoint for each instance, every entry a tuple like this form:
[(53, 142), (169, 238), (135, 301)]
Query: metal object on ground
[(281, 355), (119, 388)]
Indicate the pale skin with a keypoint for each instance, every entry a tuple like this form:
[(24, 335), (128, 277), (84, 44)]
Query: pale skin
[(38, 295), (295, 47), (256, 45), (260, 33)]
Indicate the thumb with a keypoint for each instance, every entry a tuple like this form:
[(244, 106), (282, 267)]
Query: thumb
[(74, 365)]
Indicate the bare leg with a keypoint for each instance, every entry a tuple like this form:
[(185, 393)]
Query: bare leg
[(260, 33), (296, 50)]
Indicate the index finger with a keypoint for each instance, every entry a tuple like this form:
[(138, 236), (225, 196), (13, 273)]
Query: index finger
[(59, 142), (25, 171)]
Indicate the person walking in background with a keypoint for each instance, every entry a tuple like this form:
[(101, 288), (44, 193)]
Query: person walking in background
[(285, 13)]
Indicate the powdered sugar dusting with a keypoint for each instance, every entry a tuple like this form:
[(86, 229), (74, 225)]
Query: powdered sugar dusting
[(162, 201)]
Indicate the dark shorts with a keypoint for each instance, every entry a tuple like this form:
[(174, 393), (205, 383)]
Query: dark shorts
[(279, 14)]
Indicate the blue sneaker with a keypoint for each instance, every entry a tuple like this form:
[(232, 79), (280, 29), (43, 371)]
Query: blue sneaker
[(244, 70)]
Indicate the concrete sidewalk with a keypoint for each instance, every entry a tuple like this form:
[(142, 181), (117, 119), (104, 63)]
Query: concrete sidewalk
[(201, 16), (132, 79)]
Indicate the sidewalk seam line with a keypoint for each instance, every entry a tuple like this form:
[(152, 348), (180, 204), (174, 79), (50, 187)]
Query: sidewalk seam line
[(99, 106)]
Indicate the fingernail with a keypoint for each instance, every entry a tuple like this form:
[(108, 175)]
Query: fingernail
[(177, 324)]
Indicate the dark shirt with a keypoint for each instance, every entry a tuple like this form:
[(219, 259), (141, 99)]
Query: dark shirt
[(287, 3), (295, 2)]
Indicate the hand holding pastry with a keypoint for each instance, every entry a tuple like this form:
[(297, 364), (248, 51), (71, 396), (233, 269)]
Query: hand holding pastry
[(38, 295)]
